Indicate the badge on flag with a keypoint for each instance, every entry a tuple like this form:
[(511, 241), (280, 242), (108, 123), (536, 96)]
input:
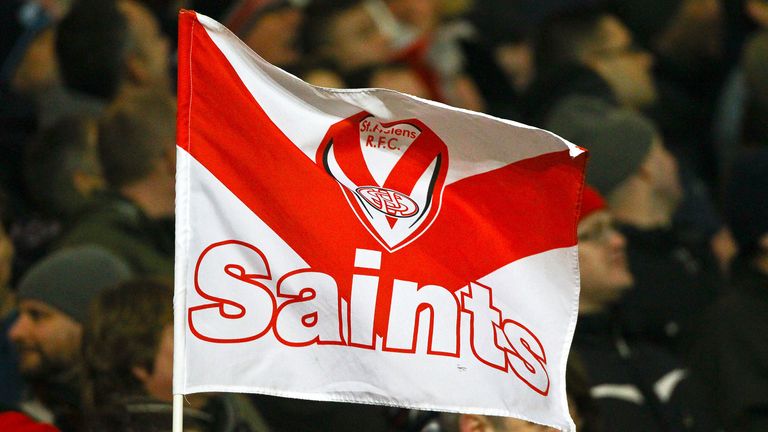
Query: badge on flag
[(365, 245)]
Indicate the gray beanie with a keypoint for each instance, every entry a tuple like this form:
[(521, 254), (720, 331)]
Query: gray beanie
[(618, 139), (70, 278)]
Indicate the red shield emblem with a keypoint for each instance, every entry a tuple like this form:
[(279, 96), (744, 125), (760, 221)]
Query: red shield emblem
[(392, 174)]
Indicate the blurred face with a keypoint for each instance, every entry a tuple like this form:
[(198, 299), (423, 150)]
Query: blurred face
[(421, 14), (602, 261), (151, 50), (516, 425), (625, 68), (402, 80), (695, 31), (274, 36), (758, 11), (662, 167), (47, 340), (355, 40), (159, 382)]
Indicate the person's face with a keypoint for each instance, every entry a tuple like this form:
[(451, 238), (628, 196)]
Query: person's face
[(47, 340), (480, 423), (695, 31), (517, 425), (6, 258), (355, 40), (663, 170), (421, 14), (402, 80), (159, 382), (152, 48), (758, 11), (274, 36), (625, 68), (602, 261)]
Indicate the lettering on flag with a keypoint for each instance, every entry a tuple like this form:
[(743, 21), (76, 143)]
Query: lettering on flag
[(392, 174), (366, 246)]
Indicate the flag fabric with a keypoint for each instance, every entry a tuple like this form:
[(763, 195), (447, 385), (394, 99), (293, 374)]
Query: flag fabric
[(365, 245)]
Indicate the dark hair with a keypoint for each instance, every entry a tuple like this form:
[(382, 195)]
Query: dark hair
[(92, 43), (134, 134), (562, 37), (123, 331), (53, 158)]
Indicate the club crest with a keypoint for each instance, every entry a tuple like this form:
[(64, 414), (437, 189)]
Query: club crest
[(392, 174)]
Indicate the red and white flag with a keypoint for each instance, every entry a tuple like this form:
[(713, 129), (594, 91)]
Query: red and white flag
[(365, 245)]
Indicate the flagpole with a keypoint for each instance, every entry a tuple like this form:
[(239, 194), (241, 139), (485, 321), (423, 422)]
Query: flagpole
[(178, 413)]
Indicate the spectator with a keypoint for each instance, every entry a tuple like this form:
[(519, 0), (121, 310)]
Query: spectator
[(134, 218), (128, 353), (344, 33), (53, 297), (10, 391), (270, 28), (731, 355), (588, 52), (686, 37), (107, 47), (674, 279), (62, 176), (755, 131), (481, 423), (437, 50), (393, 76), (639, 385)]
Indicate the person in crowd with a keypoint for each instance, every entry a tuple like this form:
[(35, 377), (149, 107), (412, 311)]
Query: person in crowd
[(106, 48), (755, 126), (271, 28), (731, 353), (128, 357), (393, 76), (134, 218), (588, 52), (344, 33), (10, 391), (637, 385), (62, 176), (686, 37), (480, 423), (435, 43), (321, 75), (53, 299), (629, 164), (743, 108)]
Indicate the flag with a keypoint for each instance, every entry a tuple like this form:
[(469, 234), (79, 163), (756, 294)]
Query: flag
[(365, 245)]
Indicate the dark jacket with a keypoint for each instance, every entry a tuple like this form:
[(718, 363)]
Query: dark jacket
[(674, 282), (638, 386), (731, 354), (119, 225)]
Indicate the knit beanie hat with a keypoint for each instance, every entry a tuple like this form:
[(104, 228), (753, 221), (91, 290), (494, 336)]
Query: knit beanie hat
[(746, 199), (591, 202), (618, 140), (68, 279)]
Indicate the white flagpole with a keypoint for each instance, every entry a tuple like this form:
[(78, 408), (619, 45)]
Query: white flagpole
[(178, 413)]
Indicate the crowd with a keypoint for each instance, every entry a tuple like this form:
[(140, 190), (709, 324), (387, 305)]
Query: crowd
[(669, 96)]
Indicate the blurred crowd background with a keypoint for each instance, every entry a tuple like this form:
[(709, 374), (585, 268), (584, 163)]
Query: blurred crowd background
[(669, 96)]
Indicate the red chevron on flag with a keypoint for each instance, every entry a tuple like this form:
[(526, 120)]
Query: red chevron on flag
[(365, 245)]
